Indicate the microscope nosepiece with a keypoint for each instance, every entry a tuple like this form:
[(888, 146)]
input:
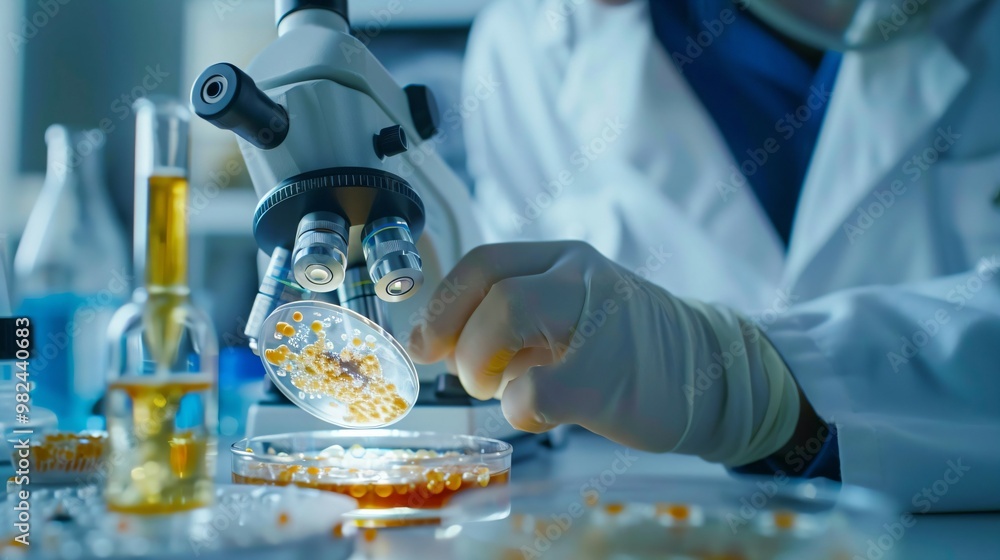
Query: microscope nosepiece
[(393, 261), (320, 254)]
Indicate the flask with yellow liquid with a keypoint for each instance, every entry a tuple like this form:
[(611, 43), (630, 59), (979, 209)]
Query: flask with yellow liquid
[(161, 400)]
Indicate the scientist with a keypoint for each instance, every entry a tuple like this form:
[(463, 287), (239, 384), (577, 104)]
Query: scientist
[(840, 211)]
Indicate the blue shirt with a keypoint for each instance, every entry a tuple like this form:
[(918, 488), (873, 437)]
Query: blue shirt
[(766, 99), (769, 104)]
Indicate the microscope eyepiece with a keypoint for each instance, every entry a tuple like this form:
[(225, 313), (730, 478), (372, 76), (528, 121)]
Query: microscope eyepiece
[(393, 261), (320, 254), (227, 97)]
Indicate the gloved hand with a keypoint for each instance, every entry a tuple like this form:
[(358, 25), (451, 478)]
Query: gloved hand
[(563, 335)]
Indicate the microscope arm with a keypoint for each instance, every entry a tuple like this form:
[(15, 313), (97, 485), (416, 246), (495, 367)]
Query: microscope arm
[(346, 162)]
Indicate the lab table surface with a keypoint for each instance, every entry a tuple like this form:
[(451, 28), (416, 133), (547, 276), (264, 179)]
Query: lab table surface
[(585, 455)]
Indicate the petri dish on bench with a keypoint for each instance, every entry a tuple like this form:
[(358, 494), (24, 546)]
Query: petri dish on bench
[(396, 477), (338, 365)]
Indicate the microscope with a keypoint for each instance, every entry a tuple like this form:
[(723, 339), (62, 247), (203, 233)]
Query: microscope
[(355, 207)]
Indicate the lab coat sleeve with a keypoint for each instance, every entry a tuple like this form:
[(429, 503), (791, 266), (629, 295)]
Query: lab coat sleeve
[(910, 377)]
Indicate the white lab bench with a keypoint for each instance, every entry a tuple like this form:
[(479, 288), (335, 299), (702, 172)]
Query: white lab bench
[(933, 537)]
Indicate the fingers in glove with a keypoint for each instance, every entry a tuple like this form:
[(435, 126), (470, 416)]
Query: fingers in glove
[(510, 319), (465, 287), (539, 400), (522, 362)]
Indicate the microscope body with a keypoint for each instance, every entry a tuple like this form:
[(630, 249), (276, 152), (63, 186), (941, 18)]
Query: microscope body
[(355, 205)]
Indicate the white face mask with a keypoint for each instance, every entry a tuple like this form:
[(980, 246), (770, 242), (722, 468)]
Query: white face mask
[(844, 24)]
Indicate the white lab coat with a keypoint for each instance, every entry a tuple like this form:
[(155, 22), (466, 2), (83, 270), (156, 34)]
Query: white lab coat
[(886, 306)]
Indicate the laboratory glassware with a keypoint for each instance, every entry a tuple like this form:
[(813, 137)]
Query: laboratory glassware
[(71, 273), (162, 399), (39, 420), (653, 517), (397, 477), (244, 522)]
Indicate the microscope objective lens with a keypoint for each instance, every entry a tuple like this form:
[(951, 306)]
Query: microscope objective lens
[(400, 286), (319, 274)]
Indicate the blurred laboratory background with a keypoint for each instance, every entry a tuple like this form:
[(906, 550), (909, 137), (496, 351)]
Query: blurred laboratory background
[(81, 64)]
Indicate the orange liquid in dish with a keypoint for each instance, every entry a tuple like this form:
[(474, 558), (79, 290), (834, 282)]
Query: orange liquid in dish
[(432, 492)]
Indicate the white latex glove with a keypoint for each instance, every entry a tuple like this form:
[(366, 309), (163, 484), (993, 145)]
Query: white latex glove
[(563, 335)]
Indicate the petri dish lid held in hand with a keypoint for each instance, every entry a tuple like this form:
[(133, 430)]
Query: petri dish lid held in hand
[(337, 365)]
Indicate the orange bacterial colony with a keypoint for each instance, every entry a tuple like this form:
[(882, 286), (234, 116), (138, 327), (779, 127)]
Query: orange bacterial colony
[(352, 377), (356, 474), (69, 452)]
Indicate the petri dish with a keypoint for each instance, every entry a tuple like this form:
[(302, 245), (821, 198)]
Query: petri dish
[(63, 458), (249, 523), (42, 421), (397, 478), (338, 365), (653, 517)]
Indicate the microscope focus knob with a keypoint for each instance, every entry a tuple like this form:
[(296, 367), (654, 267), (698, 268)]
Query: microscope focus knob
[(390, 141), (423, 109)]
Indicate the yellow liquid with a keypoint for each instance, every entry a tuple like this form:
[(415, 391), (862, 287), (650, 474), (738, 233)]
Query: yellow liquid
[(166, 266), (162, 456)]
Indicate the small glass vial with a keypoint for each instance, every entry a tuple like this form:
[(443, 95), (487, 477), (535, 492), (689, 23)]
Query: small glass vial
[(162, 400)]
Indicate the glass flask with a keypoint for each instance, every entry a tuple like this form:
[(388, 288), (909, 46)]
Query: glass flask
[(162, 398), (70, 275)]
